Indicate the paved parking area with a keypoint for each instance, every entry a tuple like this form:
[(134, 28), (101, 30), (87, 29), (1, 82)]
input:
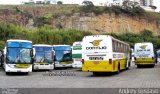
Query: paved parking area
[(74, 78)]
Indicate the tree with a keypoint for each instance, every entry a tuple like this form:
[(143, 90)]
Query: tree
[(132, 8), (88, 3), (59, 2), (88, 6)]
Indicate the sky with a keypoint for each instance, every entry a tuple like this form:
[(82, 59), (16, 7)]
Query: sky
[(156, 2)]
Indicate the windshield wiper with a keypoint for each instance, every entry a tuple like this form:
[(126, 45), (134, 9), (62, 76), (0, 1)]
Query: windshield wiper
[(41, 59), (45, 59), (16, 59), (23, 60)]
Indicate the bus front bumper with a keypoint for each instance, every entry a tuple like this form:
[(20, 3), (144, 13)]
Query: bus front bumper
[(144, 62), (63, 65), (12, 68), (43, 66)]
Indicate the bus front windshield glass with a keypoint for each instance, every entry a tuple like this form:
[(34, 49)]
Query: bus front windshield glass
[(18, 55), (44, 54), (63, 53)]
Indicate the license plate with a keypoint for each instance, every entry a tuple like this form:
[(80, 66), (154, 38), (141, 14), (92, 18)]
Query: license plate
[(96, 62), (18, 70), (78, 59)]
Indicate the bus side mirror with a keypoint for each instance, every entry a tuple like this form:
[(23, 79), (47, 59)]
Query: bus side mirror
[(32, 53), (54, 57), (4, 51)]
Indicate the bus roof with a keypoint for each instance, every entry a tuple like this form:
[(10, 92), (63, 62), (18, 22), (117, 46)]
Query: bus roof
[(18, 40), (143, 43), (107, 36), (77, 42), (43, 45)]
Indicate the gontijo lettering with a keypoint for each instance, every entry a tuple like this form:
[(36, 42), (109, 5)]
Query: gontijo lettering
[(94, 48)]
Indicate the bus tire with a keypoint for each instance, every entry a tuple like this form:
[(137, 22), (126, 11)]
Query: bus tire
[(138, 66), (127, 67), (26, 73), (129, 64), (118, 70), (33, 68), (55, 68), (7, 73), (3, 67), (96, 73), (153, 65)]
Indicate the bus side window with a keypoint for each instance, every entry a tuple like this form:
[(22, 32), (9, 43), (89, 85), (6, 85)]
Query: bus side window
[(120, 47), (114, 46), (125, 48)]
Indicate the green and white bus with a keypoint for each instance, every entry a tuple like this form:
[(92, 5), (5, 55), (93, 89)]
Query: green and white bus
[(18, 56), (144, 54), (63, 56), (77, 54), (44, 57)]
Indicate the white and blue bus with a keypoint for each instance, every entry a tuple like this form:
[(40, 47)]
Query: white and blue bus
[(63, 56), (44, 57), (77, 54), (18, 56)]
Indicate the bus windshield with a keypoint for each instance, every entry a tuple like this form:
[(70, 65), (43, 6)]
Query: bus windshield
[(44, 57), (44, 54), (18, 55), (19, 44), (63, 53)]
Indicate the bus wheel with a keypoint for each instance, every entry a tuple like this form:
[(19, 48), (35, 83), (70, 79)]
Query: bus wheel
[(118, 71), (153, 65), (33, 68), (129, 65), (26, 73), (7, 73), (138, 66), (3, 66), (55, 68), (96, 73)]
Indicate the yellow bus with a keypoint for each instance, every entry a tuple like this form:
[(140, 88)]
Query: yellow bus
[(103, 53), (144, 54)]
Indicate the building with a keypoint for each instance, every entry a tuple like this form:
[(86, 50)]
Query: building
[(145, 4), (148, 5), (50, 1)]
